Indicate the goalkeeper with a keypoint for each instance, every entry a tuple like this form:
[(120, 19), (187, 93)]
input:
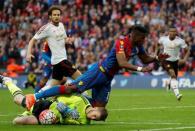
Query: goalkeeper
[(68, 109)]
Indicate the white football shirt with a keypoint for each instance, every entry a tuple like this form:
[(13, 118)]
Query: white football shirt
[(55, 36), (172, 47)]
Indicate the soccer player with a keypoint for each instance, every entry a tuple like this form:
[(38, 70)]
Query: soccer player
[(68, 109), (45, 61), (171, 45), (99, 76), (54, 33)]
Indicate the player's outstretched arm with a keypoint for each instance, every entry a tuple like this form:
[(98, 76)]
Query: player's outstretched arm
[(146, 59), (123, 63)]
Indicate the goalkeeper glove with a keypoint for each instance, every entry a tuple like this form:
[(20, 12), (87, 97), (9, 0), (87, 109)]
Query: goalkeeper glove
[(67, 111)]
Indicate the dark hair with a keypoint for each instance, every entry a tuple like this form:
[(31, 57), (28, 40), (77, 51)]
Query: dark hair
[(140, 29), (104, 114), (54, 7), (40, 106)]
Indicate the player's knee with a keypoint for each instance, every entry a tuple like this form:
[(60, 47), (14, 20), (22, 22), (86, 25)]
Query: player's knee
[(172, 74), (18, 99)]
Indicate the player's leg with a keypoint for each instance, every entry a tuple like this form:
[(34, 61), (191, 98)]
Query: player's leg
[(100, 95), (57, 75), (16, 92), (76, 74), (172, 69), (68, 69), (174, 84), (168, 84), (42, 82), (83, 83), (47, 71)]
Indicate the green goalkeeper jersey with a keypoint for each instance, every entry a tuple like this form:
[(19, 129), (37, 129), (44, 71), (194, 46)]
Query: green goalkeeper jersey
[(78, 102)]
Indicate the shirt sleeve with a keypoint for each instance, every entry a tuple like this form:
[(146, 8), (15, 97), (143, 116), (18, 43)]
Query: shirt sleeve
[(183, 44), (42, 33), (120, 46)]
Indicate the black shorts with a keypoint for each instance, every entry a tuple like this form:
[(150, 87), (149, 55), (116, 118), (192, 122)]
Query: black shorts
[(64, 68), (167, 65)]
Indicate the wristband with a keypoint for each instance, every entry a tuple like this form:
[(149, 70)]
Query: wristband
[(139, 68)]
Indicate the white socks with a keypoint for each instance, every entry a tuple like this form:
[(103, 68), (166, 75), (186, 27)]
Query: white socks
[(174, 85)]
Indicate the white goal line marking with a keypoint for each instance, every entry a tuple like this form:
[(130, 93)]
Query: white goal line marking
[(150, 108), (170, 128), (143, 123)]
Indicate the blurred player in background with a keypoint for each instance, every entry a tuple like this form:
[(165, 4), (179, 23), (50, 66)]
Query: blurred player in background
[(45, 61), (54, 33), (99, 76), (68, 109), (31, 81), (171, 45)]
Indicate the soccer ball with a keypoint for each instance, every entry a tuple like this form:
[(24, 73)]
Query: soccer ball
[(47, 117)]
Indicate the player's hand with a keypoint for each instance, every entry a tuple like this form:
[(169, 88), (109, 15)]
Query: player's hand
[(74, 114), (66, 111), (70, 39), (147, 69), (181, 62), (162, 56), (30, 101), (29, 57)]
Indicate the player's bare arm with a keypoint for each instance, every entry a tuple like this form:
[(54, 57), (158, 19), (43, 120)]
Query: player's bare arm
[(186, 56), (122, 61), (29, 55), (146, 59)]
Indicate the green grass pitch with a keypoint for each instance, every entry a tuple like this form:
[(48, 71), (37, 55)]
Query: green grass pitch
[(129, 110)]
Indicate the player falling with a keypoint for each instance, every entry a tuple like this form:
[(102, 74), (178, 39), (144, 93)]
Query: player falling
[(171, 45)]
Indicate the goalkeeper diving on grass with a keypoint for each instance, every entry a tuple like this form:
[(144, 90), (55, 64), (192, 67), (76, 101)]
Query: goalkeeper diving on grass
[(66, 109)]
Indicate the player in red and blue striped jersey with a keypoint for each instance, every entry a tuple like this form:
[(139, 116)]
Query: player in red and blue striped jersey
[(99, 76)]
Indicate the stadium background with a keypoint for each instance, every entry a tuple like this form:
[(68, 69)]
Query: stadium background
[(95, 24)]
